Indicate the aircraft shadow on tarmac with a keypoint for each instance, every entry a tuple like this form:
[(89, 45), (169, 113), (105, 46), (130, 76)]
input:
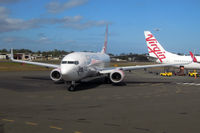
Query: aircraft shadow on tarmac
[(42, 79), (147, 82), (36, 78), (92, 83)]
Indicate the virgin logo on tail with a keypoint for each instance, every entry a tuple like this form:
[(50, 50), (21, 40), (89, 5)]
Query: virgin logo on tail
[(154, 48)]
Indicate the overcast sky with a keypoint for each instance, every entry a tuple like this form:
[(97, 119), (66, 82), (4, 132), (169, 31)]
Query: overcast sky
[(79, 25)]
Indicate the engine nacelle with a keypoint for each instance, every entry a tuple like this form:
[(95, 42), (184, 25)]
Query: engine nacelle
[(56, 75), (117, 76)]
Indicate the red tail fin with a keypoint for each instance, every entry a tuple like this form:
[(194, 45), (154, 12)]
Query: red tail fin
[(193, 57), (106, 41)]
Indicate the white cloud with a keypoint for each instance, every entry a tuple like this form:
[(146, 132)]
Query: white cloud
[(40, 43), (43, 38), (56, 7), (16, 40), (8, 24), (84, 25), (25, 40), (12, 24), (4, 12)]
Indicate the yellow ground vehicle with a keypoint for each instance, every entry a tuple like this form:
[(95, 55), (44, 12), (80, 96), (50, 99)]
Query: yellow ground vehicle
[(193, 74), (166, 74)]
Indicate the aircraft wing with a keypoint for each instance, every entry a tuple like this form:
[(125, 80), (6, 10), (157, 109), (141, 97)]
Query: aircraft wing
[(37, 63), (34, 63), (128, 68)]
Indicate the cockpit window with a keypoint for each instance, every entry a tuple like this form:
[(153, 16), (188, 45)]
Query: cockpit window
[(64, 62), (76, 62), (70, 62)]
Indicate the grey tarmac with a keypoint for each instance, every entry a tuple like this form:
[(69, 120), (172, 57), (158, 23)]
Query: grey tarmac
[(145, 103)]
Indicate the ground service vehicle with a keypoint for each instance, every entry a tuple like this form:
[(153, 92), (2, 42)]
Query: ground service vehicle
[(166, 74), (193, 74)]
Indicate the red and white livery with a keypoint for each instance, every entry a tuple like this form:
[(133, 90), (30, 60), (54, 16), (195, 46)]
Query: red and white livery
[(79, 65), (157, 52)]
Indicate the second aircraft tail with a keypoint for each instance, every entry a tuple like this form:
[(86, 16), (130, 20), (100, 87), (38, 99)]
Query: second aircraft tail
[(154, 48)]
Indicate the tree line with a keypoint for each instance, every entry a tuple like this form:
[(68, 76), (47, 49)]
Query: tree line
[(54, 53), (57, 53)]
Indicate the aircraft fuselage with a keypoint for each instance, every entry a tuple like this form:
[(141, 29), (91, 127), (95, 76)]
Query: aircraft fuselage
[(79, 65)]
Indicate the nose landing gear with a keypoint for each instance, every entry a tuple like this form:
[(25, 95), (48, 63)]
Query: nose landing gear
[(71, 85)]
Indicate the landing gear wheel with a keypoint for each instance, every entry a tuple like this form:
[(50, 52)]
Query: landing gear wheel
[(71, 88)]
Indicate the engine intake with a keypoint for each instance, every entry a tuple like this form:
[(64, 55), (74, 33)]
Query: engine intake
[(117, 76), (56, 75)]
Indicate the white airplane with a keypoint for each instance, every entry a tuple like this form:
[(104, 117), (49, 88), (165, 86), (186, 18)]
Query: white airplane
[(157, 52), (79, 65)]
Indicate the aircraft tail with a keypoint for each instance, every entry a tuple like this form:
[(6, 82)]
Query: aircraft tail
[(193, 56), (154, 48), (104, 49)]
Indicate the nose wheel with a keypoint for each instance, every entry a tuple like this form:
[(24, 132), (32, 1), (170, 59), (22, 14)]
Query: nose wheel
[(72, 86)]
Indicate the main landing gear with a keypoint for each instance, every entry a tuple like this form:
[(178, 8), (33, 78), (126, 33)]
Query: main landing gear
[(71, 85), (107, 80)]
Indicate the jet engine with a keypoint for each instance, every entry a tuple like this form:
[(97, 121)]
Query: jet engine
[(117, 76), (56, 75)]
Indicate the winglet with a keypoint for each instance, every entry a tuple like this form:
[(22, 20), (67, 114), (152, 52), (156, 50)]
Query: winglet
[(106, 41), (11, 54), (193, 57)]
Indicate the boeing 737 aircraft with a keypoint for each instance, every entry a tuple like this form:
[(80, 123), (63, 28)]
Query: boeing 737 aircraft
[(157, 52), (79, 65)]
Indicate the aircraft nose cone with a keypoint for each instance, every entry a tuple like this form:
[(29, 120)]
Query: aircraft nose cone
[(68, 73), (64, 71)]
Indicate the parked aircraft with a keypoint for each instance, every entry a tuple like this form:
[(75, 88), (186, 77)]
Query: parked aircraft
[(194, 58), (160, 55), (79, 65)]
